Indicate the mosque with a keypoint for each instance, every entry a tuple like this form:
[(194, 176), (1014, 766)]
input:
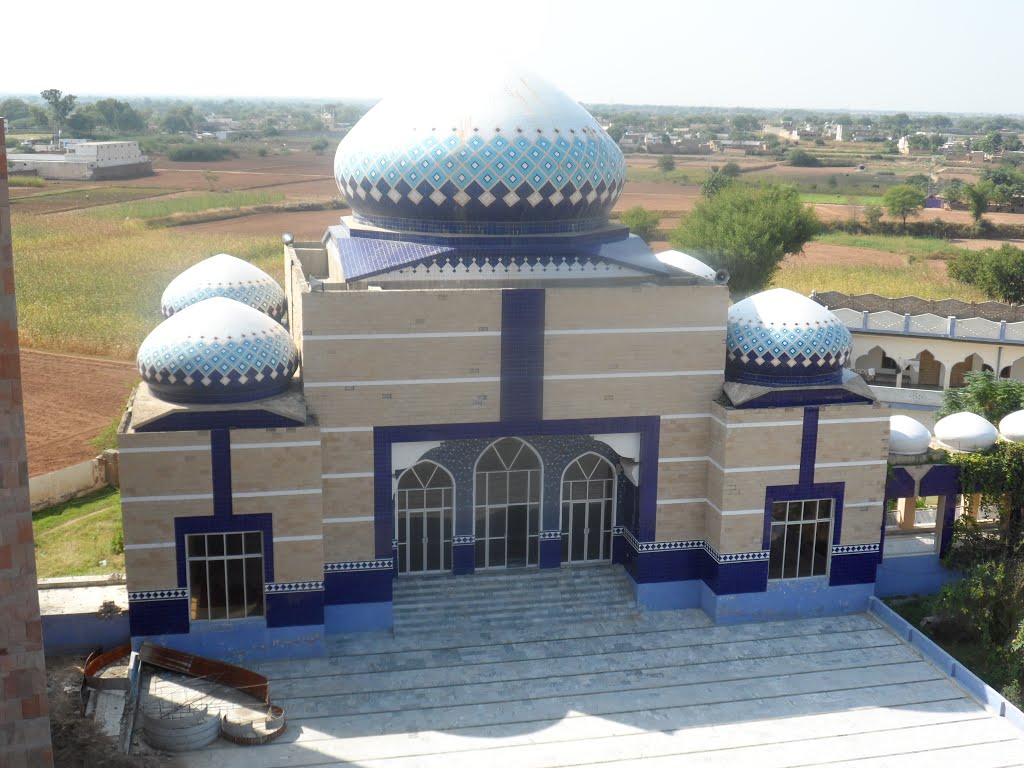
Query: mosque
[(476, 370)]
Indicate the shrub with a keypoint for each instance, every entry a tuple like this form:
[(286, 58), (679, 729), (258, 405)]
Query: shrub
[(873, 217), (200, 153), (641, 222), (666, 163), (999, 272), (802, 159)]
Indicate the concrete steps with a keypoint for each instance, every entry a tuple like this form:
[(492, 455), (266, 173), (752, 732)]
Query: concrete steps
[(527, 599)]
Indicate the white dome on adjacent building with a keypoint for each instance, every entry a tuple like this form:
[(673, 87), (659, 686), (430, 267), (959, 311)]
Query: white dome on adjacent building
[(966, 431), (1011, 427), (218, 350), (907, 436), (781, 338), (499, 148), (227, 276)]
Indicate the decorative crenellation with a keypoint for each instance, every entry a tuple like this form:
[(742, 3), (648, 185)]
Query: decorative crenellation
[(550, 535), (157, 594), (448, 268), (383, 564), (294, 586), (461, 541)]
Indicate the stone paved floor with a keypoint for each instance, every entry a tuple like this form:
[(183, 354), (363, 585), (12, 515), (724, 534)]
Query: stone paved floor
[(667, 688)]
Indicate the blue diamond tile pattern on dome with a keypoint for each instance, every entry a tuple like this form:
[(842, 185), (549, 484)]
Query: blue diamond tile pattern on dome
[(228, 277), (217, 351), (267, 298), (575, 174), (780, 336)]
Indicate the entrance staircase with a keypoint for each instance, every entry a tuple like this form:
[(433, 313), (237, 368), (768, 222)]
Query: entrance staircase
[(513, 599)]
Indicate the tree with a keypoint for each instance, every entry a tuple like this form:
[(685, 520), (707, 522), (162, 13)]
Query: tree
[(984, 394), (641, 222), (61, 105), (802, 159), (748, 231), (873, 216), (902, 201), (977, 196), (999, 272), (954, 192), (714, 183), (319, 145), (666, 163)]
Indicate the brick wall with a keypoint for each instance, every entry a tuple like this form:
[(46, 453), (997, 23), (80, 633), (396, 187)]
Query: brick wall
[(24, 720)]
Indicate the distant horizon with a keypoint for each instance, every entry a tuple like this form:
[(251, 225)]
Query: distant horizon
[(373, 100), (871, 58)]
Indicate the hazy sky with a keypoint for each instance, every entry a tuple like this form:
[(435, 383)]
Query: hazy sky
[(941, 56)]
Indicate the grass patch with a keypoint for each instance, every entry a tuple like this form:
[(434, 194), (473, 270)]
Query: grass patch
[(813, 197), (170, 206), (904, 245), (678, 176), (917, 279), (83, 197), (93, 286), (972, 655), (73, 537), (26, 181)]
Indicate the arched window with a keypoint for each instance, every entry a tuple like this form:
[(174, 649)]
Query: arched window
[(588, 509), (507, 510), (423, 518)]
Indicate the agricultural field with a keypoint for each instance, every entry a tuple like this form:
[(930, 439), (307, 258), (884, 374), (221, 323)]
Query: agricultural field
[(93, 258), (81, 537)]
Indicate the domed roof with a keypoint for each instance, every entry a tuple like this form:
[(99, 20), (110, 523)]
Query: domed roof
[(227, 276), (505, 150), (780, 338), (218, 350), (966, 431), (907, 436), (1011, 427)]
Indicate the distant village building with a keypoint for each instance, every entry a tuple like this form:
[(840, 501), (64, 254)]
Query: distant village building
[(903, 145), (631, 142), (86, 161), (839, 133)]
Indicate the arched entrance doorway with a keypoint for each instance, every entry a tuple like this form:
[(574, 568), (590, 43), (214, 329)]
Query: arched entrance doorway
[(423, 519), (588, 509), (506, 519)]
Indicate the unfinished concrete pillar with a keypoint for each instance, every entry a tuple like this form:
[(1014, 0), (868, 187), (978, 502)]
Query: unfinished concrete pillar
[(906, 513), (24, 710), (974, 505)]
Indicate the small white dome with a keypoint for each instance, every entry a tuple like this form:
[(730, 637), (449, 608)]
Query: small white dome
[(218, 350), (1012, 427), (227, 276), (907, 436), (966, 431)]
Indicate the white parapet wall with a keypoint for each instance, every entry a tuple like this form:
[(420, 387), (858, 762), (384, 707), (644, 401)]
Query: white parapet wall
[(67, 483)]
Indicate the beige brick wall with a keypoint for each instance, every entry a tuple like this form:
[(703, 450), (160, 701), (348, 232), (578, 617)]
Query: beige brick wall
[(292, 515), (682, 480), (401, 359), (348, 497), (645, 306), (346, 542), (621, 352), (169, 473), (681, 522), (416, 311), (383, 405), (685, 437), (585, 398), (152, 522), (275, 469), (735, 533), (346, 452), (298, 560), (149, 569)]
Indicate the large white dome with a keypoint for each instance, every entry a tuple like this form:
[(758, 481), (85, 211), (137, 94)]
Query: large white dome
[(227, 276), (502, 149)]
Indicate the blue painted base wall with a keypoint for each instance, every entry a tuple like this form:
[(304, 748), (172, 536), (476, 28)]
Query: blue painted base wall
[(244, 641), (668, 595), (358, 617), (912, 575), (83, 633), (798, 599)]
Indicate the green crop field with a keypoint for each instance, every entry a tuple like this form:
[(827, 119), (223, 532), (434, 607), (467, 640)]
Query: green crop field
[(73, 538), (911, 247), (193, 203), (916, 279), (841, 199), (82, 197), (93, 286)]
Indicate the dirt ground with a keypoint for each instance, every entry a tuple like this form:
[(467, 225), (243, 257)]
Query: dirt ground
[(307, 226), (68, 401)]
